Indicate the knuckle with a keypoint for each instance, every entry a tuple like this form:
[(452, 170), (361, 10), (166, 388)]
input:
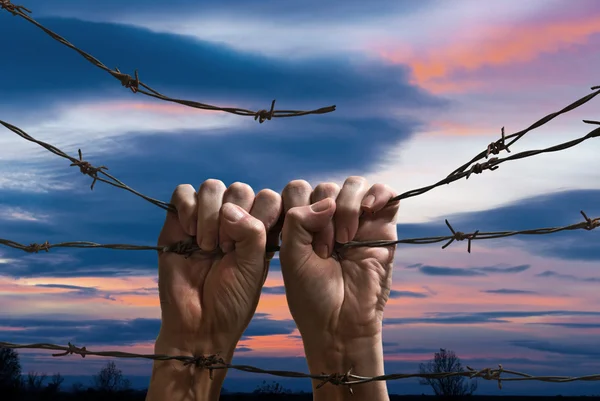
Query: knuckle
[(355, 180), (380, 188), (179, 191), (240, 187), (297, 186), (294, 214), (327, 189), (268, 194), (256, 227), (212, 184)]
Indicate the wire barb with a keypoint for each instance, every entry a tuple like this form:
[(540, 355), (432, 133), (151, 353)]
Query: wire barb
[(87, 169), (35, 248), (12, 8), (73, 350)]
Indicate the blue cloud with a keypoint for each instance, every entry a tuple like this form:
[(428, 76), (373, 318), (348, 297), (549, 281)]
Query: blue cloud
[(181, 66), (310, 10), (548, 210), (406, 294), (279, 290), (569, 277), (112, 332), (449, 271), (507, 291), (589, 350), (482, 317)]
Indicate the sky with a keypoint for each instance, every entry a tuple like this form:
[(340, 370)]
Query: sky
[(419, 87)]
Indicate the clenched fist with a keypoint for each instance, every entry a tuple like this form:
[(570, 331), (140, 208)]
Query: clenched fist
[(208, 299), (337, 300)]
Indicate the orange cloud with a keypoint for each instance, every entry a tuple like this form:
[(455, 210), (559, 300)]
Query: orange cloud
[(494, 46)]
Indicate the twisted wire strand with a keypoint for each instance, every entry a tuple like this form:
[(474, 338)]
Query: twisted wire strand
[(136, 85), (214, 362)]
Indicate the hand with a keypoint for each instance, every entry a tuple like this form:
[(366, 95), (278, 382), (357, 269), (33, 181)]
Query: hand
[(338, 302), (208, 299)]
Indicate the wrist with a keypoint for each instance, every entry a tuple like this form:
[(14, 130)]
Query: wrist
[(363, 355), (172, 379)]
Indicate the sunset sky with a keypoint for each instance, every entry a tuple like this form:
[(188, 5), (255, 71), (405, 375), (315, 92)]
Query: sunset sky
[(420, 88)]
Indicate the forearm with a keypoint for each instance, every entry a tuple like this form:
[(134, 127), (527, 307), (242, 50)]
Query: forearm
[(172, 380), (364, 356)]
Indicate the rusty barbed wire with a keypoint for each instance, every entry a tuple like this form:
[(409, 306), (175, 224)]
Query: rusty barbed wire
[(214, 362), (500, 144), (189, 246), (136, 85)]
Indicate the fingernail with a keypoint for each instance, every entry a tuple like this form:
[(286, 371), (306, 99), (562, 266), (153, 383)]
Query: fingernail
[(322, 251), (369, 200), (232, 213), (343, 236), (227, 246), (320, 206)]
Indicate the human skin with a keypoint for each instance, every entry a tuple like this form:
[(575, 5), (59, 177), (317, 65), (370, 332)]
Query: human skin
[(208, 300), (338, 304)]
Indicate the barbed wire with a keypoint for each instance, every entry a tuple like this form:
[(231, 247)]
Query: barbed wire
[(136, 85), (189, 246), (214, 362), (87, 169)]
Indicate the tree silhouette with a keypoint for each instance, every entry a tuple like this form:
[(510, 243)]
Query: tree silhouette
[(34, 382), (110, 379), (54, 386), (10, 371), (446, 361), (273, 388)]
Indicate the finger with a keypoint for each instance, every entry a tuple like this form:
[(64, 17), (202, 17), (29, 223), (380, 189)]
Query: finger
[(376, 201), (348, 208), (184, 200), (267, 208), (295, 194), (210, 200), (324, 240), (377, 198), (249, 236), (299, 227), (239, 194)]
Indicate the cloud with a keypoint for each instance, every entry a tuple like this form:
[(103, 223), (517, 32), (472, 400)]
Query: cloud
[(353, 10), (111, 332), (570, 325), (449, 271), (507, 291), (496, 269), (406, 294), (452, 318), (261, 325), (587, 350), (173, 61), (555, 209), (570, 277), (471, 271), (278, 290)]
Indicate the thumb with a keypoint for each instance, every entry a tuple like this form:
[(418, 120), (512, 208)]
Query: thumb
[(298, 228), (247, 232)]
